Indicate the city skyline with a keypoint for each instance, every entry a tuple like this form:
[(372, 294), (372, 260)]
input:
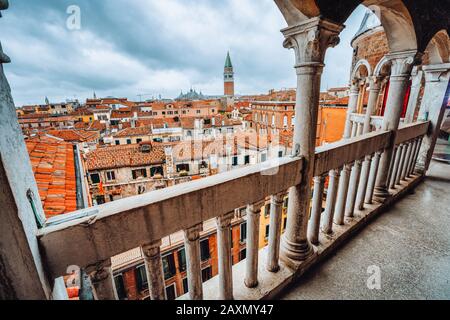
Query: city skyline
[(110, 56)]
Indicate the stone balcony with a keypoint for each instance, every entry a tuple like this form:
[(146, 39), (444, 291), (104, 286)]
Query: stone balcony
[(410, 244)]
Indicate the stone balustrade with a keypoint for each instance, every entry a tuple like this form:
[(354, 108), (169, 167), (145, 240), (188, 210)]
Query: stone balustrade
[(345, 171), (357, 123)]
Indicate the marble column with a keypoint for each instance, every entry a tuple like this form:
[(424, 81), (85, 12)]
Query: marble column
[(374, 93), (434, 103), (341, 200), (154, 268), (194, 272), (310, 40), (353, 189), (352, 106), (102, 281), (401, 66), (225, 262), (253, 220), (416, 86)]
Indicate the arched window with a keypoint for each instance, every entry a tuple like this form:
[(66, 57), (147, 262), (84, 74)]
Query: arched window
[(285, 121), (273, 120), (293, 120)]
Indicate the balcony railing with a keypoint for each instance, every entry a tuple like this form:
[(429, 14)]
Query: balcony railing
[(357, 120), (348, 168)]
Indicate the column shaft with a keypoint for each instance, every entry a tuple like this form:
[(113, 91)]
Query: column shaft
[(253, 216), (316, 212), (333, 184), (276, 215), (155, 274), (194, 272), (225, 263)]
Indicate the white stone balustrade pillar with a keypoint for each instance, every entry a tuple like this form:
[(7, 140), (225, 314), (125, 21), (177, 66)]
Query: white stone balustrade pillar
[(414, 144), (333, 184), (401, 164), (154, 268), (316, 211), (194, 272), (372, 178), (353, 189), (339, 213), (276, 219), (434, 103), (309, 39), (102, 281), (253, 220), (362, 189), (402, 64), (396, 166), (225, 262)]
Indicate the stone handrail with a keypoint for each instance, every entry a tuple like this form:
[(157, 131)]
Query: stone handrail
[(119, 226)]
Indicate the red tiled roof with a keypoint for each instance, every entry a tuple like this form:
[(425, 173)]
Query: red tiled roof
[(74, 135), (130, 132), (53, 166), (124, 156)]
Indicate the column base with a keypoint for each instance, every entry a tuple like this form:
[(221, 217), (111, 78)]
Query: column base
[(293, 254), (381, 194)]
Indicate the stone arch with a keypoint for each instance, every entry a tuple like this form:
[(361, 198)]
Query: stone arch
[(397, 23), (394, 17), (438, 48), (360, 64), (382, 68)]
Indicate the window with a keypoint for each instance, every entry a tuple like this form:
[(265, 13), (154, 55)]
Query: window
[(242, 254), (95, 178), (139, 173), (267, 210), (285, 121), (263, 157), (182, 260), (120, 287), (243, 238), (203, 165), (280, 154), (110, 175), (235, 161), (138, 141), (247, 160), (284, 223), (286, 202), (141, 278), (293, 121), (231, 238), (267, 231), (168, 266), (273, 120), (128, 141), (100, 200), (185, 286), (117, 142), (183, 167), (198, 111), (156, 170), (171, 292), (204, 250), (206, 274)]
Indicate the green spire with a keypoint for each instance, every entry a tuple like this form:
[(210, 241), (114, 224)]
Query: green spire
[(228, 63)]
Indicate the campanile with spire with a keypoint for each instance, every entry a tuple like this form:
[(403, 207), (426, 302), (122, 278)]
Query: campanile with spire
[(228, 77)]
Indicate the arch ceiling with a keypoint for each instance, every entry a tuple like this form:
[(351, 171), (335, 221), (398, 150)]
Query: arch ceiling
[(409, 24)]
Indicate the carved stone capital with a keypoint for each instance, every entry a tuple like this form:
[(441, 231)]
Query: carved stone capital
[(437, 73), (402, 63), (152, 250), (224, 222), (375, 83), (99, 271), (310, 40), (193, 233)]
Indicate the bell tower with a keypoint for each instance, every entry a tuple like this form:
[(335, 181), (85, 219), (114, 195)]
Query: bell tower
[(228, 77)]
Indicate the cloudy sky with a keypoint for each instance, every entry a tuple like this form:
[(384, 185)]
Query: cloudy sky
[(152, 47)]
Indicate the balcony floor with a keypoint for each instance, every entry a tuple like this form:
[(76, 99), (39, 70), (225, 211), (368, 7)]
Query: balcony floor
[(410, 243)]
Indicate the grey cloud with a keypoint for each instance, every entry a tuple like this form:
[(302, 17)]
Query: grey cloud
[(140, 46)]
